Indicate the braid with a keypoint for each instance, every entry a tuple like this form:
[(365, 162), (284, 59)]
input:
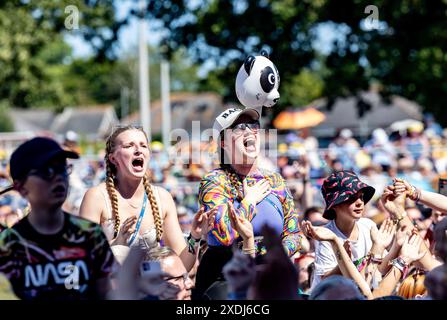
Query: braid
[(234, 180), (110, 185), (155, 211)]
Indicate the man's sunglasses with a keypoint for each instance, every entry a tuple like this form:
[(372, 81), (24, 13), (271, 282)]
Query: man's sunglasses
[(254, 126), (184, 276), (49, 172)]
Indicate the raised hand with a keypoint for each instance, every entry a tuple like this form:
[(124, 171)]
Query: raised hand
[(126, 231), (384, 236), (240, 224), (410, 249), (257, 192), (403, 231), (393, 202), (317, 233), (401, 186), (203, 222)]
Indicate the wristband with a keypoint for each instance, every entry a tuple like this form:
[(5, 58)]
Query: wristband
[(192, 242), (400, 264), (375, 258), (249, 251)]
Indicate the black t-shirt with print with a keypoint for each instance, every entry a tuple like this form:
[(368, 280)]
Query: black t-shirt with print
[(62, 266)]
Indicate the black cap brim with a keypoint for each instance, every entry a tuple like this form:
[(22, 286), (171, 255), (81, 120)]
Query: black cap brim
[(63, 154)]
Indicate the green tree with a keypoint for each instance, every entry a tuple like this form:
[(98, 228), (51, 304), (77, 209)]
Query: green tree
[(225, 32), (32, 52), (407, 54), (6, 123)]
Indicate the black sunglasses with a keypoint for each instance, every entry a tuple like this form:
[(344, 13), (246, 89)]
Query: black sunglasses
[(254, 126), (49, 172)]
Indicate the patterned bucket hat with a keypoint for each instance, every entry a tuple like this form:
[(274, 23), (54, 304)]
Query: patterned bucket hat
[(339, 187)]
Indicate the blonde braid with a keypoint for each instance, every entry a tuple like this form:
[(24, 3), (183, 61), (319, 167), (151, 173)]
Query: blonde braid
[(110, 186), (154, 206)]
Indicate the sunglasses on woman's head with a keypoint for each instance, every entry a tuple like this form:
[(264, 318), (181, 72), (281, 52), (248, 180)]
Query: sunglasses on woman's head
[(254, 126), (49, 172)]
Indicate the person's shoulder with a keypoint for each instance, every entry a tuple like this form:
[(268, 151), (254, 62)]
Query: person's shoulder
[(11, 234), (330, 225), (5, 235), (275, 177), (366, 222), (270, 173), (163, 193), (96, 191), (215, 176)]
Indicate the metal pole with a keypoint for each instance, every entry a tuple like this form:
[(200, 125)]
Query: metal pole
[(145, 115), (124, 102), (166, 103)]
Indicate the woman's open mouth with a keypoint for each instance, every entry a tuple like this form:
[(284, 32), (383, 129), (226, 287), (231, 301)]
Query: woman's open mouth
[(138, 164), (250, 144)]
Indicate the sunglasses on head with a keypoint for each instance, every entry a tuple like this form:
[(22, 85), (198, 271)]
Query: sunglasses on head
[(254, 126), (49, 172)]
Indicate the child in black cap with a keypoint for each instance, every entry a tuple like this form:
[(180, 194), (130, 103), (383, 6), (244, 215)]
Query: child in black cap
[(51, 254)]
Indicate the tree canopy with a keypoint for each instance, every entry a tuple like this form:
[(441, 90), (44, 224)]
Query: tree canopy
[(406, 53)]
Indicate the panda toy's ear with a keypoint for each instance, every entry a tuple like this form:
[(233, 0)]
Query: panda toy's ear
[(248, 64), (264, 53)]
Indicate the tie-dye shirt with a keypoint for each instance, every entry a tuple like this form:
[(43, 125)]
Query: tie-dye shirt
[(216, 190)]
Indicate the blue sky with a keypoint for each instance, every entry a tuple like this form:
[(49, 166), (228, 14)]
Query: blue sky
[(128, 35)]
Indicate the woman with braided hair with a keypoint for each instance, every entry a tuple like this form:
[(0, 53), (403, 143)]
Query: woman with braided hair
[(130, 209), (257, 195)]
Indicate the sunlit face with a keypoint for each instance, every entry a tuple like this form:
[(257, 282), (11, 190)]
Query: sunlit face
[(178, 276), (242, 146), (131, 153), (46, 187), (352, 208)]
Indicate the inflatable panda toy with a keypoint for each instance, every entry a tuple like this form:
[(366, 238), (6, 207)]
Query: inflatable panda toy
[(257, 82)]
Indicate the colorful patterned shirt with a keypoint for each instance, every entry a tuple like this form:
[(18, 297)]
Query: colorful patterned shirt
[(216, 190), (63, 266)]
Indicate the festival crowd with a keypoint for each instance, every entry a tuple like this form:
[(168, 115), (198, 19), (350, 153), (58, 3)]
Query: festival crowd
[(354, 220)]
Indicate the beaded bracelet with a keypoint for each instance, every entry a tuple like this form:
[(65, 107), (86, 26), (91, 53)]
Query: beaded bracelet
[(249, 251)]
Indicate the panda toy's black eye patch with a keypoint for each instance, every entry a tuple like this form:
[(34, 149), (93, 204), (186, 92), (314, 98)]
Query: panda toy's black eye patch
[(268, 79)]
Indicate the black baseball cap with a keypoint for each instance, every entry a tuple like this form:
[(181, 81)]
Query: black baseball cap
[(34, 154)]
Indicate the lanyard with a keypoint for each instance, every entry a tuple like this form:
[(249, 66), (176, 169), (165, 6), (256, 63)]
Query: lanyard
[(137, 228)]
